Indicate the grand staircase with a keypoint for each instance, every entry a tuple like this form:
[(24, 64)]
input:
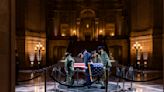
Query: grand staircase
[(76, 47)]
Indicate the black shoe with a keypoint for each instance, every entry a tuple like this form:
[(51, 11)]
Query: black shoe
[(102, 87), (68, 86), (89, 86), (85, 84)]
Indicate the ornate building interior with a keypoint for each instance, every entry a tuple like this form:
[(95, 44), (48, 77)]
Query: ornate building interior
[(37, 33)]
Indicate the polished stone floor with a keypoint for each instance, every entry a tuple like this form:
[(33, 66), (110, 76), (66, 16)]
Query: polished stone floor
[(54, 87), (34, 82)]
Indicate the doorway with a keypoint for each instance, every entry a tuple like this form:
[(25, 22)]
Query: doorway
[(116, 53)]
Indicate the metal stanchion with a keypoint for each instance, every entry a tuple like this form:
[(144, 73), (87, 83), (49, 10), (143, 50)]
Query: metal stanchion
[(123, 81), (106, 84), (77, 76), (54, 72), (107, 76), (118, 72), (58, 73), (45, 86)]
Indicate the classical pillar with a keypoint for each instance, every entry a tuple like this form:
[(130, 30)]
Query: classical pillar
[(56, 23), (118, 23), (7, 45), (96, 27), (77, 28), (103, 27)]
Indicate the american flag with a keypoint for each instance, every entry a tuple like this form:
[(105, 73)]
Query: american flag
[(96, 68), (79, 65)]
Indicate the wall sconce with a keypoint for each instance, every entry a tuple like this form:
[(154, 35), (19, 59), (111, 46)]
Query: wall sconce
[(39, 48), (138, 48)]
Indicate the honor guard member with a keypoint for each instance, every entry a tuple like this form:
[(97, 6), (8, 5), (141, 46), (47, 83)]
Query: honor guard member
[(69, 67), (105, 61), (95, 58)]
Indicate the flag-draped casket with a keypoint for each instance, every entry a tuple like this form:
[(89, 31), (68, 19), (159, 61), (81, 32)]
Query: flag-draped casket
[(96, 68)]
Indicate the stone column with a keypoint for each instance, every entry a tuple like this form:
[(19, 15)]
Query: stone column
[(118, 23), (157, 34), (56, 23), (20, 29), (77, 28), (163, 43), (96, 27), (7, 45)]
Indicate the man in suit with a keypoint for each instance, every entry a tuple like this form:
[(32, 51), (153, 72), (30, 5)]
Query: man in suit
[(86, 56)]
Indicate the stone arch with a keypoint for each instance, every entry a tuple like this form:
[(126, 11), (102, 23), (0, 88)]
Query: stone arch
[(87, 13)]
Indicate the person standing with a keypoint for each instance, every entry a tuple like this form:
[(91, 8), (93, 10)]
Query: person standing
[(86, 56), (69, 67), (95, 58), (105, 61)]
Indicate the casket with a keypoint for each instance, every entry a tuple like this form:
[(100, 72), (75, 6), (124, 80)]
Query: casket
[(96, 68)]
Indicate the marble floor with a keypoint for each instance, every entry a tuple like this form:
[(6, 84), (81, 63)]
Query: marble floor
[(54, 87), (38, 85)]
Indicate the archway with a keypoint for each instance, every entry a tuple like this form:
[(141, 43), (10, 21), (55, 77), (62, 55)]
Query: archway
[(87, 24)]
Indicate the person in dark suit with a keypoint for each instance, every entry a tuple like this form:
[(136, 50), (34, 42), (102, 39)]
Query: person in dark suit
[(86, 56)]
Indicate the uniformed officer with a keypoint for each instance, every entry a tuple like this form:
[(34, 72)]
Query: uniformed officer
[(69, 67), (95, 58), (105, 61)]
